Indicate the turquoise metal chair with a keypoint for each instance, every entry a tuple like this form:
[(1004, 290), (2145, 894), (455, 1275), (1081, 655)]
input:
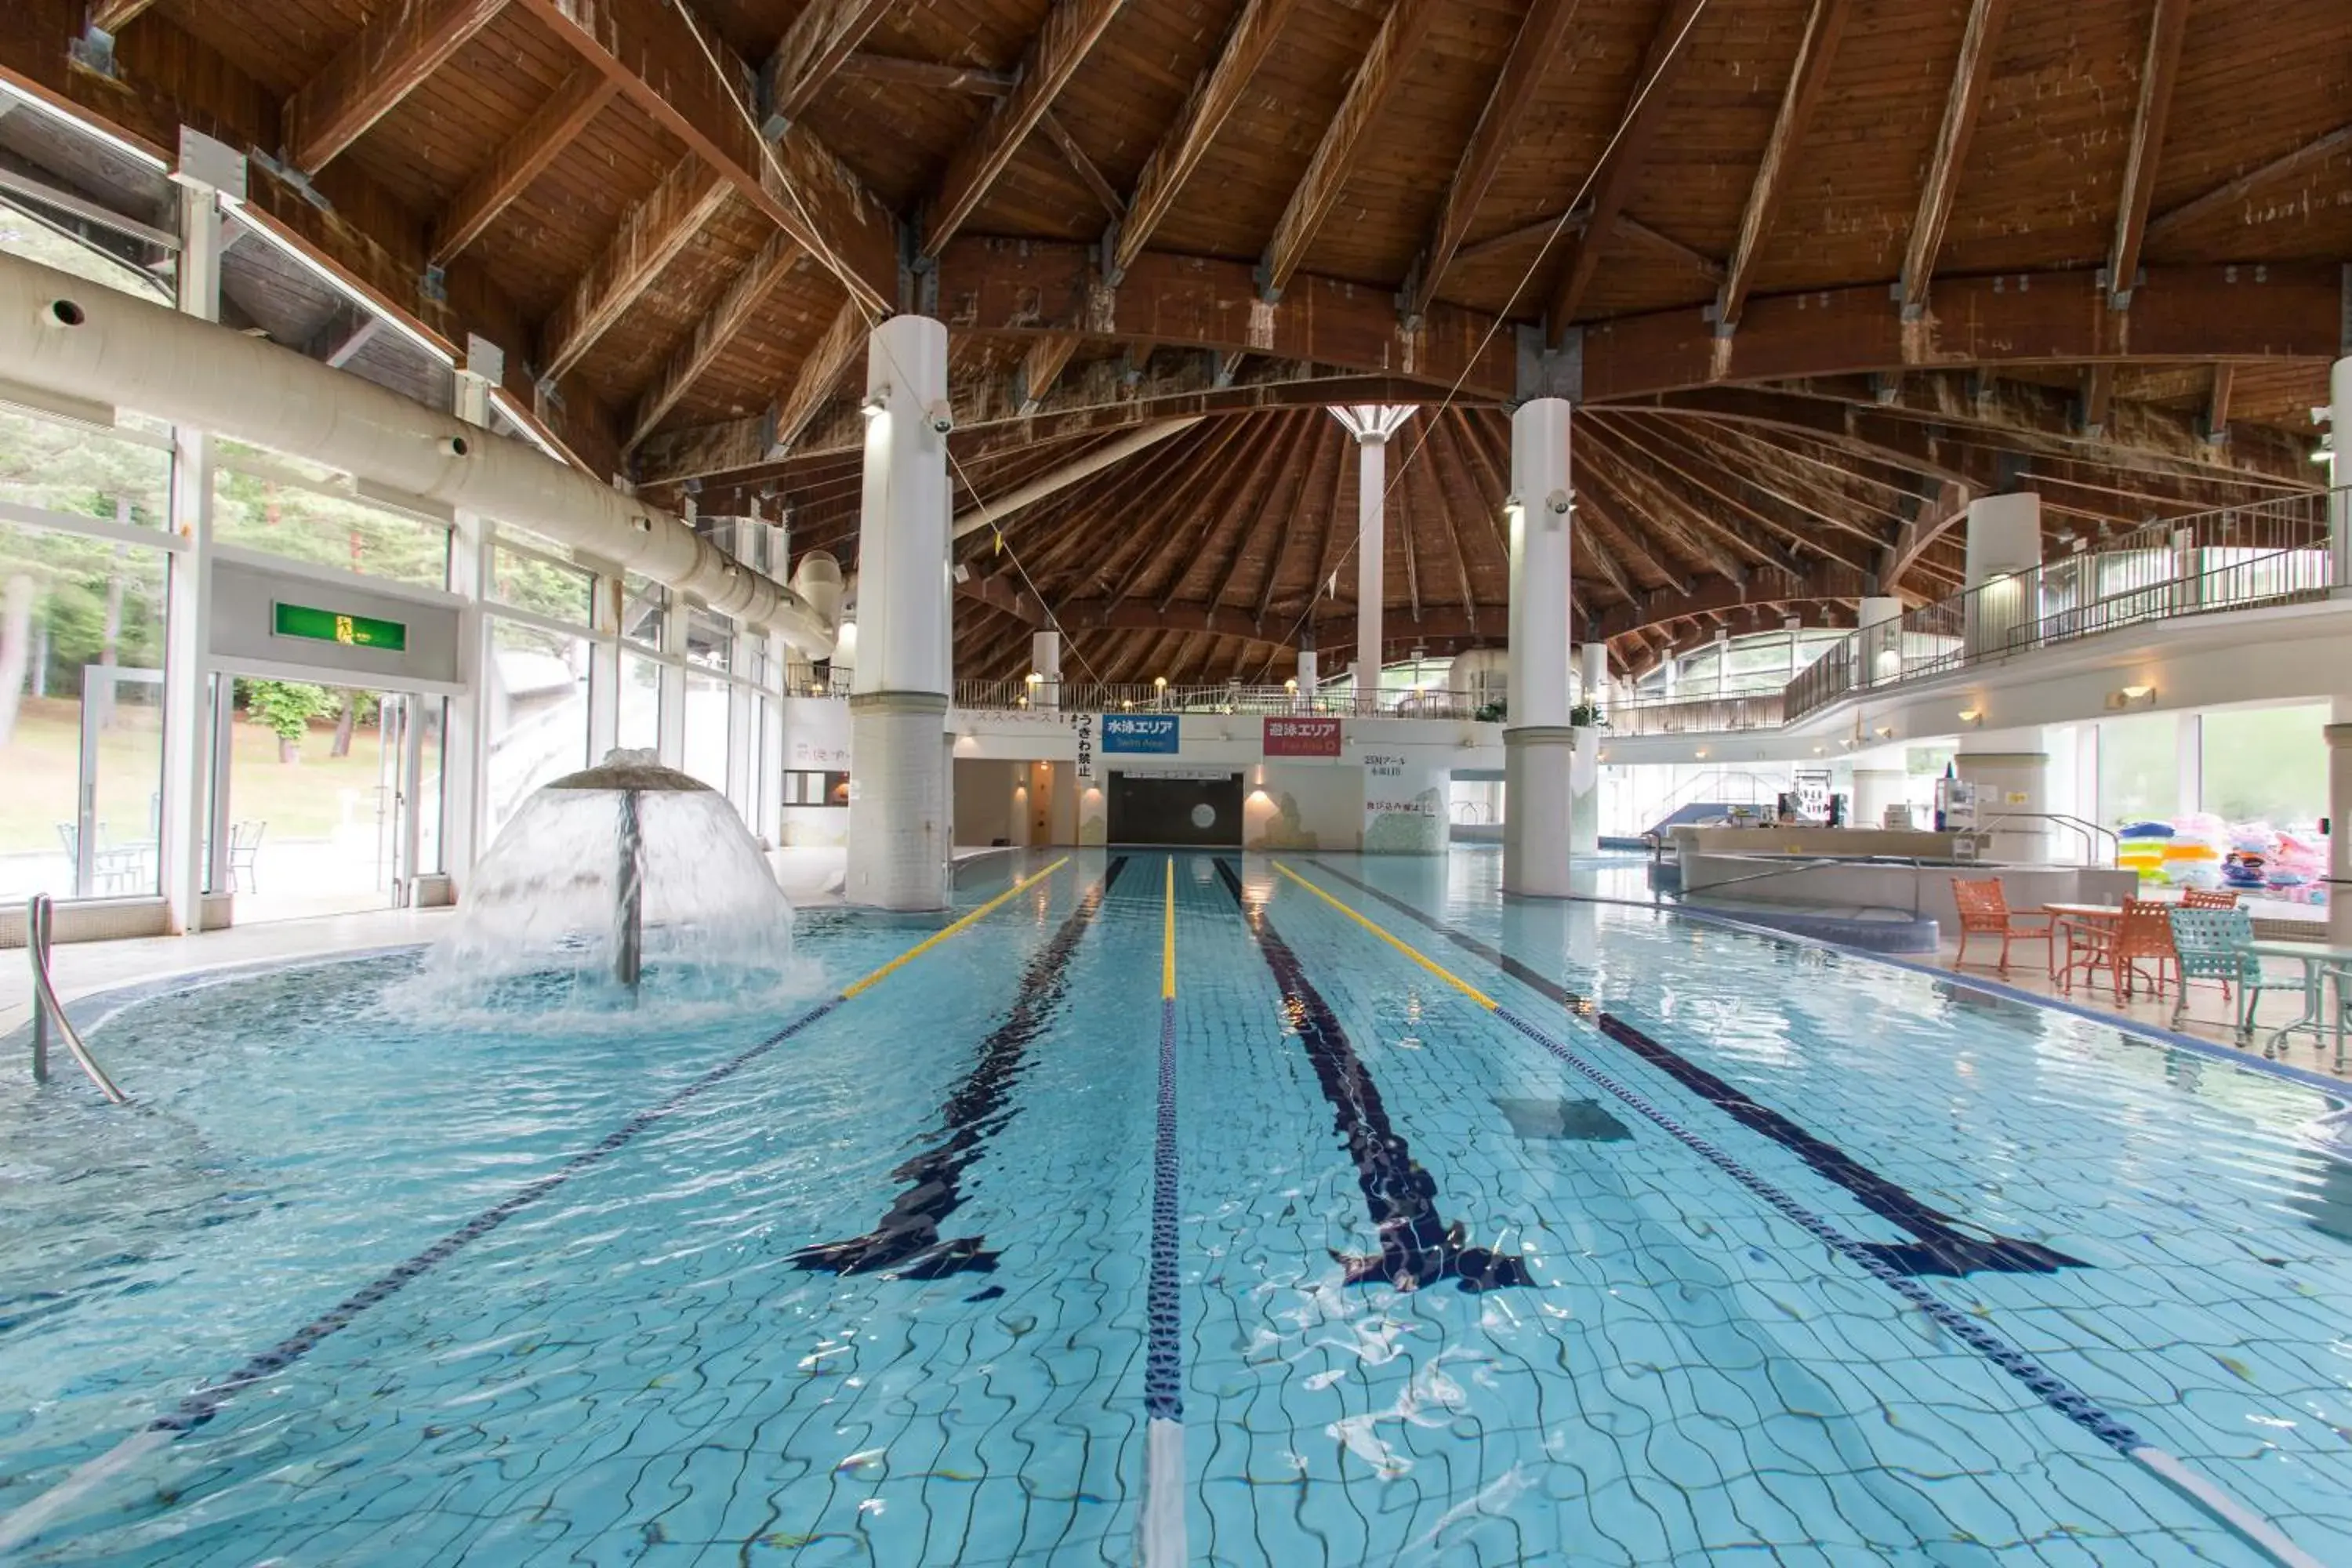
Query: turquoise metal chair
[(2219, 945)]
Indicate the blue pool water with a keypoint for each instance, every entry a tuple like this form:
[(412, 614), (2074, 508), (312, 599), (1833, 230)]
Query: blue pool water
[(1714, 1260)]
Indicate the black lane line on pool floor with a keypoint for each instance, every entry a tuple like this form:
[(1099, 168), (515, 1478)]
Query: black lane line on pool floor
[(906, 1240), (1940, 1249), (1417, 1247)]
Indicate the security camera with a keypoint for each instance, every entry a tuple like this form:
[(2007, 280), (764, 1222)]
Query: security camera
[(941, 416), (451, 446), (1559, 502)]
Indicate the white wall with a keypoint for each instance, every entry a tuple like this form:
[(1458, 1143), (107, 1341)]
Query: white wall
[(983, 803), (1304, 806)]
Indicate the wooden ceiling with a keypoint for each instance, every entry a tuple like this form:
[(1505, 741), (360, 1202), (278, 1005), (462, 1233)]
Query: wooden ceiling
[(1824, 269)]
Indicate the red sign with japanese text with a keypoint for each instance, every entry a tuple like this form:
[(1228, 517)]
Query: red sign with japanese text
[(1302, 736)]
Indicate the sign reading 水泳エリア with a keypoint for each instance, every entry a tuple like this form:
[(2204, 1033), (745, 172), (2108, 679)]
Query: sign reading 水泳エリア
[(1152, 735), (1301, 737)]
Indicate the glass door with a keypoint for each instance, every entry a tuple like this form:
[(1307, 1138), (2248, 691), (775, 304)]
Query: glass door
[(115, 838)]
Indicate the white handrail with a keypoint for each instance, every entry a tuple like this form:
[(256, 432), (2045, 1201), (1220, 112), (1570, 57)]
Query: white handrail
[(38, 909)]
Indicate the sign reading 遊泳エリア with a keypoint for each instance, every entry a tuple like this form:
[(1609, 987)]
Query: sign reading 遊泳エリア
[(1139, 733), (1301, 737)]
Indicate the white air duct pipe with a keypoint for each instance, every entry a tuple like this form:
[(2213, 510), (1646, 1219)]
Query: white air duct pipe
[(973, 519), (66, 336)]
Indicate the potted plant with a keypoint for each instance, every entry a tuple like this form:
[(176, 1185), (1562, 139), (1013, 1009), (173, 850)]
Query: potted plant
[(1588, 716)]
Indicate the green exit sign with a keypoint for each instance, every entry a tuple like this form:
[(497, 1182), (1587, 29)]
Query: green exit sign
[(333, 625)]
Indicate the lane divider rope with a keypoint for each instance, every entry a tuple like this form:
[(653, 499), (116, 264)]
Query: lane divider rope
[(2054, 1391), (1163, 1542), (21, 1524)]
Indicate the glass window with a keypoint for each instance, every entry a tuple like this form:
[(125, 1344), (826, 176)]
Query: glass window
[(706, 728), (539, 712), (81, 702), (283, 514), (816, 789), (2139, 769), (710, 639), (23, 235), (640, 707), (2267, 764), (55, 467), (645, 607), (544, 587)]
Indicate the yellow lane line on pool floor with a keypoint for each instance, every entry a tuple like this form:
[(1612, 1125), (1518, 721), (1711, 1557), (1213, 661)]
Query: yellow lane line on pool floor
[(968, 921), (1395, 942), (1168, 941)]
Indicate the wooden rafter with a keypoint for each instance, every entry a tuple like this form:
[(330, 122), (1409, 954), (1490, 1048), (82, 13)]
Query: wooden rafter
[(1969, 77), (1621, 166), (1307, 472), (1935, 519), (2098, 397), (843, 342), (2231, 193), (1798, 537), (2216, 424), (1671, 516), (713, 333), (1182, 546), (819, 43), (1215, 93), (1152, 534), (1535, 53), (113, 15), (1288, 437), (661, 58), (1113, 204), (1816, 52), (2158, 72), (521, 159), (1054, 55), (930, 75), (1042, 366), (652, 233), (399, 47), (1392, 52)]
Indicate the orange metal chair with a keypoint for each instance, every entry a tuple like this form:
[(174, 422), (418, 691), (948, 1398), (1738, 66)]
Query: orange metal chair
[(1984, 911), (2200, 898), (2146, 933)]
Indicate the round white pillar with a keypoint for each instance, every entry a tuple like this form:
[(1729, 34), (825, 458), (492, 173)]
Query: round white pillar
[(899, 830), (1372, 549), (1881, 622), (1046, 663), (1538, 747), (1584, 768), (2010, 769), (1308, 678), (2339, 812), (2339, 500)]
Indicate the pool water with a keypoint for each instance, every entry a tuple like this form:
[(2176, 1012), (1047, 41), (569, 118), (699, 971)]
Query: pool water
[(1712, 1256)]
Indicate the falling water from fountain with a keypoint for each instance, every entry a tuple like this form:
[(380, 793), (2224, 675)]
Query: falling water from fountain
[(624, 881)]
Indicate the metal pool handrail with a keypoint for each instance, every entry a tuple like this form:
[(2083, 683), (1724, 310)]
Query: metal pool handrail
[(46, 1005)]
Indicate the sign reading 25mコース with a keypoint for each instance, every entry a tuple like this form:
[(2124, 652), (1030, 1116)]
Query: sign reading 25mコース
[(1133, 733)]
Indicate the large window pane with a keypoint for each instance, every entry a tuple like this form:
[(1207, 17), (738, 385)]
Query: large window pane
[(706, 728), (539, 712), (285, 516), (640, 710), (644, 604), (81, 651), (54, 467), (2267, 764), (2139, 769), (544, 587), (22, 235), (710, 639)]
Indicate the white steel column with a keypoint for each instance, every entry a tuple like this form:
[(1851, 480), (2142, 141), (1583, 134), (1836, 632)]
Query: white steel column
[(188, 723), (1881, 640), (1538, 747), (465, 738), (2339, 824), (1584, 773), (2339, 502), (2003, 561), (1371, 425), (1046, 664), (604, 663), (899, 835)]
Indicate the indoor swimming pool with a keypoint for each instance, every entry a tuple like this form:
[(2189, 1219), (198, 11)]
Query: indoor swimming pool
[(1178, 1209)]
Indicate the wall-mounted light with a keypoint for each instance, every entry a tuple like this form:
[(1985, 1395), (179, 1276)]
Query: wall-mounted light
[(1700, 753), (1972, 716), (875, 403), (1887, 731), (2132, 697), (1034, 678)]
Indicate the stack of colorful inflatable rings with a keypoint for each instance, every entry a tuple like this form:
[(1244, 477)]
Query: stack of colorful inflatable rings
[(2140, 848)]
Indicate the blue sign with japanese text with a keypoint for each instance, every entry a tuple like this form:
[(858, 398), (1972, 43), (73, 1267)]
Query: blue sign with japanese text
[(1134, 732)]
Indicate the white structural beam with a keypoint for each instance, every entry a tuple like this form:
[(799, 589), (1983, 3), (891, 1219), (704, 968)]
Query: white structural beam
[(900, 833), (1371, 425), (994, 512), (182, 820), (1538, 746)]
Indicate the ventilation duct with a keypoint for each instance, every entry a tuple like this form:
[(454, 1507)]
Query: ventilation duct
[(68, 337)]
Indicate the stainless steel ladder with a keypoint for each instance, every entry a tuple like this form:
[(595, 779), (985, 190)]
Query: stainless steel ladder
[(38, 912)]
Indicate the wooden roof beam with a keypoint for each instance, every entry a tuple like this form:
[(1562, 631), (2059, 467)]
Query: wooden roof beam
[(1309, 472), (820, 43), (2157, 72), (929, 75), (519, 160), (1444, 431), (403, 43), (111, 17), (2215, 427), (660, 58), (1042, 366), (1393, 51), (713, 333), (1054, 55), (1215, 93), (1536, 52), (1969, 77), (1113, 204), (1283, 450), (652, 233), (2231, 193), (1621, 165), (1615, 514), (841, 345), (1934, 519), (1816, 52)]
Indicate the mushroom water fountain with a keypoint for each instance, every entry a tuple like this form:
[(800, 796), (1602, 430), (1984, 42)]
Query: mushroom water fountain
[(623, 881)]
